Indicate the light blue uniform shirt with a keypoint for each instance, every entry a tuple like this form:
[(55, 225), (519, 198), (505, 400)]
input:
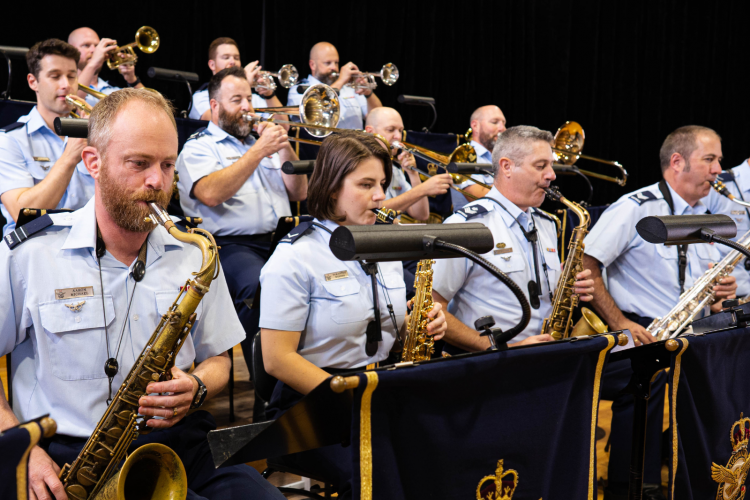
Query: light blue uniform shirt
[(353, 107), (254, 209), (472, 292), (104, 88), (643, 278), (305, 288), (740, 188), (201, 104), (58, 353), (399, 184), (483, 156), (19, 169)]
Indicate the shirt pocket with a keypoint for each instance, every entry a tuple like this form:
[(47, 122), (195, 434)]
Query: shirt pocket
[(76, 340), (668, 252), (510, 262), (347, 304)]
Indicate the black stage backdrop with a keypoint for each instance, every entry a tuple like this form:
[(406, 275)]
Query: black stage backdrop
[(629, 72)]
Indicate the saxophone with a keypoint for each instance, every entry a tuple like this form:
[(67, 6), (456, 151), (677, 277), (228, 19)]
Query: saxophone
[(559, 323), (418, 345), (93, 470)]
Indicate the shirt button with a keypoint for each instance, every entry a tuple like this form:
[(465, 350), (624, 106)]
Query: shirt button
[(135, 318), (78, 319)]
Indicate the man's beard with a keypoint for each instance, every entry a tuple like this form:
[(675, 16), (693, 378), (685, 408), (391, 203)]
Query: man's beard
[(326, 78), (124, 208), (488, 141), (234, 124)]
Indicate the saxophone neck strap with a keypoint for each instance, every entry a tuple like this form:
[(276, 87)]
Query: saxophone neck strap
[(681, 249)]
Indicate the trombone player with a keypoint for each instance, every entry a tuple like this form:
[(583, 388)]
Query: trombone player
[(94, 52)]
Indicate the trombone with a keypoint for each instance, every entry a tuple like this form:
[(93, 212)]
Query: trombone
[(363, 80), (319, 111), (91, 92), (568, 146), (146, 39), (287, 76)]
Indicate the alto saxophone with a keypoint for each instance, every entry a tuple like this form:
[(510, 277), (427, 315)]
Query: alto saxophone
[(559, 323), (93, 470), (419, 345)]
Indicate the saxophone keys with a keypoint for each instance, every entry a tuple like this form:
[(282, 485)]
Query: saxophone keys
[(123, 418), (86, 477), (76, 492), (112, 435)]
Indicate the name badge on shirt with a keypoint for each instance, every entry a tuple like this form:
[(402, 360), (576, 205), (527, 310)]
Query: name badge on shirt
[(74, 293), (233, 157), (738, 212), (41, 158), (501, 251), (337, 275)]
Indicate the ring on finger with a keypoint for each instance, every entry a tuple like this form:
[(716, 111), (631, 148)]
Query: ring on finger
[(174, 410)]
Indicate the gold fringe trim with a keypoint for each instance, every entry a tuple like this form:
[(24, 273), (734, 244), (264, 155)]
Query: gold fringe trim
[(673, 408), (365, 437), (595, 413), (22, 487)]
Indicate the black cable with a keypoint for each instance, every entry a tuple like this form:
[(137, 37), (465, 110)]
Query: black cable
[(709, 236), (507, 335)]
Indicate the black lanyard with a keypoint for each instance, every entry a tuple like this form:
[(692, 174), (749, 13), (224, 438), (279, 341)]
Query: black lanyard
[(681, 249), (535, 290)]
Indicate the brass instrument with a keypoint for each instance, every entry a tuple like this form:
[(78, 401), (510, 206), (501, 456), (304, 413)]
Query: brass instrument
[(79, 103), (146, 39), (568, 146), (363, 80), (722, 190), (419, 345), (385, 215), (93, 471), (287, 76), (559, 323), (91, 92)]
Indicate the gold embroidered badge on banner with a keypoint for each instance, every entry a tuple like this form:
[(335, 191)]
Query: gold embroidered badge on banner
[(731, 478)]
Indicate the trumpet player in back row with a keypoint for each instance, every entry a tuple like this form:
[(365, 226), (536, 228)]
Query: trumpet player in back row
[(324, 68), (225, 53), (645, 281), (82, 295), (94, 53)]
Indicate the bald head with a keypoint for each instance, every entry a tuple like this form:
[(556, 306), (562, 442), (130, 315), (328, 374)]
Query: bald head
[(386, 122), (324, 59), (85, 40), (486, 123)]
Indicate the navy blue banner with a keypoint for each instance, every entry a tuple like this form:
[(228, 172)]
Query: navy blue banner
[(710, 404), (15, 445), (518, 423)]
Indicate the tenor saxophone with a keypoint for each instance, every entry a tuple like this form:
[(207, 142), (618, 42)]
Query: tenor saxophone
[(419, 345), (559, 323), (93, 471)]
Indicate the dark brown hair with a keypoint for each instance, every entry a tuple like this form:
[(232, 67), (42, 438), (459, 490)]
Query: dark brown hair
[(51, 47), (339, 156), (214, 85), (215, 45), (684, 141)]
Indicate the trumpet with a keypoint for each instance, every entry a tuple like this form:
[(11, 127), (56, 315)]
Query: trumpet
[(568, 146), (363, 80), (79, 103), (146, 39), (91, 92), (287, 76)]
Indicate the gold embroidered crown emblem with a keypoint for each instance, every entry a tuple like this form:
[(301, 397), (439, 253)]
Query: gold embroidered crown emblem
[(731, 478), (501, 486)]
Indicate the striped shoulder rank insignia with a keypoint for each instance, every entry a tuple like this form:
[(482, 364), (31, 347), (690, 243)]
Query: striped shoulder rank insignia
[(471, 211), (198, 133), (12, 126), (643, 197), (296, 233), (23, 233), (726, 176)]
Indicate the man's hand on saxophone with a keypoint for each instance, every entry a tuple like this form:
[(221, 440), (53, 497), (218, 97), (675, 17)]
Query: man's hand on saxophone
[(584, 286), (727, 289)]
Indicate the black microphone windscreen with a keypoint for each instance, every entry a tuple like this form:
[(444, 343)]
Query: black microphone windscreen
[(384, 242), (72, 127), (301, 167), (172, 74), (684, 229)]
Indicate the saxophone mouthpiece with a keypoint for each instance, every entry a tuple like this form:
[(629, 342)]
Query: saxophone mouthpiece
[(553, 192), (158, 215)]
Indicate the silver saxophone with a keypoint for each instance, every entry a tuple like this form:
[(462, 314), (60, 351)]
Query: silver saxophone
[(698, 296)]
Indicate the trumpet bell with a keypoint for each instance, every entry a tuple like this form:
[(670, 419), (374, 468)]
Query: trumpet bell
[(389, 74), (320, 106), (589, 324), (288, 76), (147, 39), (569, 143)]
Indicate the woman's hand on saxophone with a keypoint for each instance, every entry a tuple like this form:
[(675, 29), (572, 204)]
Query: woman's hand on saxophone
[(584, 286), (173, 405), (437, 326)]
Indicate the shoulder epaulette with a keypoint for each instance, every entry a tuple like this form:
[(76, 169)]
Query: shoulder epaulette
[(297, 232), (198, 133), (546, 215), (202, 87), (471, 211), (726, 176), (12, 126), (643, 197), (23, 233)]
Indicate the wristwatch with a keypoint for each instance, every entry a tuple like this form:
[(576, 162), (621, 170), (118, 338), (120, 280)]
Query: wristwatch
[(200, 395)]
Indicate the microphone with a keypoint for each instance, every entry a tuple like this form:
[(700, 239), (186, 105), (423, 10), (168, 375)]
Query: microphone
[(470, 168), (72, 127), (172, 74), (16, 52), (387, 243), (684, 229), (302, 167), (416, 100)]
